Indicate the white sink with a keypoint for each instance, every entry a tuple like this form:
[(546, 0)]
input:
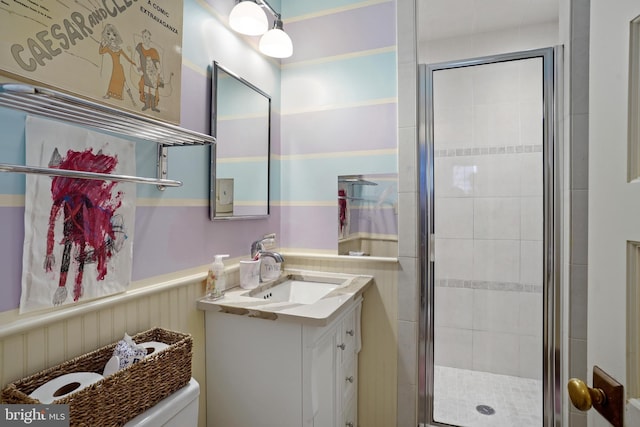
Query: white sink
[(297, 289), (312, 297)]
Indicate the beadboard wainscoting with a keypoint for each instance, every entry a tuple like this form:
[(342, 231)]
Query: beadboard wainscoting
[(31, 343)]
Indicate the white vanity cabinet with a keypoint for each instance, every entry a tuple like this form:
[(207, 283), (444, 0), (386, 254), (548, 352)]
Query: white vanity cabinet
[(277, 373)]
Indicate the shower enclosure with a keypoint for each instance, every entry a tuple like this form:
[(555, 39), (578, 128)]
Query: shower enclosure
[(489, 322)]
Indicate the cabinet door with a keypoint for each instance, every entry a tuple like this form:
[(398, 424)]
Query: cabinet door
[(253, 372), (324, 370)]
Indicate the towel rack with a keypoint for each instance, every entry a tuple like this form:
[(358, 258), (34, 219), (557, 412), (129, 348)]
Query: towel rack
[(355, 180), (58, 105), (359, 199), (86, 175)]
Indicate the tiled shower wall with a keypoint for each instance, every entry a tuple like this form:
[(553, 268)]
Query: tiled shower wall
[(488, 218), (576, 194), (410, 53)]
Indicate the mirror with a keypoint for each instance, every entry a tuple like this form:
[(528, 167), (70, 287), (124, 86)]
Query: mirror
[(368, 215), (241, 124)]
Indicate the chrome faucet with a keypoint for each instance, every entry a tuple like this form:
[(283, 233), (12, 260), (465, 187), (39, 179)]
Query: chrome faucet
[(275, 255), (270, 270)]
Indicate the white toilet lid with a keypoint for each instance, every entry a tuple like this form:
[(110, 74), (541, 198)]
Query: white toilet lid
[(168, 407)]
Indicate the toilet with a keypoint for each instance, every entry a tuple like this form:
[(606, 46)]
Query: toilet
[(180, 409)]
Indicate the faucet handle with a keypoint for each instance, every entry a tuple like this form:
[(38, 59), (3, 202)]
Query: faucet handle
[(268, 242)]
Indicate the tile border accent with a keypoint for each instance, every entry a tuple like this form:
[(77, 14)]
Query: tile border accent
[(483, 151), (489, 285)]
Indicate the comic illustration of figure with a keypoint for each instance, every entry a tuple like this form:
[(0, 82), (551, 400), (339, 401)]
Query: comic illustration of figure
[(111, 44), (151, 80), (92, 231)]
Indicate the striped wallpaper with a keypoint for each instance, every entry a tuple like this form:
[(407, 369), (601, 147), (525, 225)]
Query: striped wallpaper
[(334, 112), (173, 231), (339, 113)]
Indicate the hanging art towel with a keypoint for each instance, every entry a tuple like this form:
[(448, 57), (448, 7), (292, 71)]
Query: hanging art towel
[(78, 232), (342, 204)]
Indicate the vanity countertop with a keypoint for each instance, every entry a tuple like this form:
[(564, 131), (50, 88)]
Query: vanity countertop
[(319, 313)]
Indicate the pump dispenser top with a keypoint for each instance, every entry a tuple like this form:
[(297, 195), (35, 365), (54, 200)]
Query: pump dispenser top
[(217, 259), (216, 278)]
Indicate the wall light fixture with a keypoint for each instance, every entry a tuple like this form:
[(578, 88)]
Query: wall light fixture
[(248, 17)]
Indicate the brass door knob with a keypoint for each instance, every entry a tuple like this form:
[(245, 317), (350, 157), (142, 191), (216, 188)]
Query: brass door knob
[(582, 396)]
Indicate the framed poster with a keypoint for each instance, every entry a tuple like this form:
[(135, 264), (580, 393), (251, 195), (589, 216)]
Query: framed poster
[(125, 53)]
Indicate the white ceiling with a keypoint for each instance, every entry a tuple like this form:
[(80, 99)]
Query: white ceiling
[(453, 18)]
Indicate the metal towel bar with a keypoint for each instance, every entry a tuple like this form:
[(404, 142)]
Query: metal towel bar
[(57, 105), (87, 175)]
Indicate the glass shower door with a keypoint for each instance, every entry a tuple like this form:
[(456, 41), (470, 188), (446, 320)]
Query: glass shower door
[(487, 243)]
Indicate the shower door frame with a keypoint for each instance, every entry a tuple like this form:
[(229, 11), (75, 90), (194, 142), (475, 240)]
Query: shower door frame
[(551, 334)]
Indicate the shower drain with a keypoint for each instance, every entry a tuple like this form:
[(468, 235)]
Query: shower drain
[(485, 409)]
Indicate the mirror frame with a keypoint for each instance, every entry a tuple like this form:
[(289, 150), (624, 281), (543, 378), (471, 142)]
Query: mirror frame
[(216, 67)]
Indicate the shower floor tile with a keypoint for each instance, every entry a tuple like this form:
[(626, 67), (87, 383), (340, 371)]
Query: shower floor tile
[(457, 393)]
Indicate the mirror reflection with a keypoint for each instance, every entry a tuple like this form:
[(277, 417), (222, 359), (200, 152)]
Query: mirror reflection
[(241, 117), (368, 215)]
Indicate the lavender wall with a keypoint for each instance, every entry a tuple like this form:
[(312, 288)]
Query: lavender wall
[(334, 113), (172, 230)]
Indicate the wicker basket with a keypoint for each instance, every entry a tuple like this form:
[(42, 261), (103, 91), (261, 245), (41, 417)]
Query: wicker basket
[(121, 396)]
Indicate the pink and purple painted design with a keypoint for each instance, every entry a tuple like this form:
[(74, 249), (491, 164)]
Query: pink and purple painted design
[(92, 231)]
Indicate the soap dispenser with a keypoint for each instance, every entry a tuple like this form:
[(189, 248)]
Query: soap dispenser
[(216, 278)]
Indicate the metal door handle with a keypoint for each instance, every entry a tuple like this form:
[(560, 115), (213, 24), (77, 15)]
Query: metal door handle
[(606, 396), (583, 396)]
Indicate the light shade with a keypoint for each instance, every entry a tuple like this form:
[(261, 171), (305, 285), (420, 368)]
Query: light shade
[(276, 43), (248, 18)]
